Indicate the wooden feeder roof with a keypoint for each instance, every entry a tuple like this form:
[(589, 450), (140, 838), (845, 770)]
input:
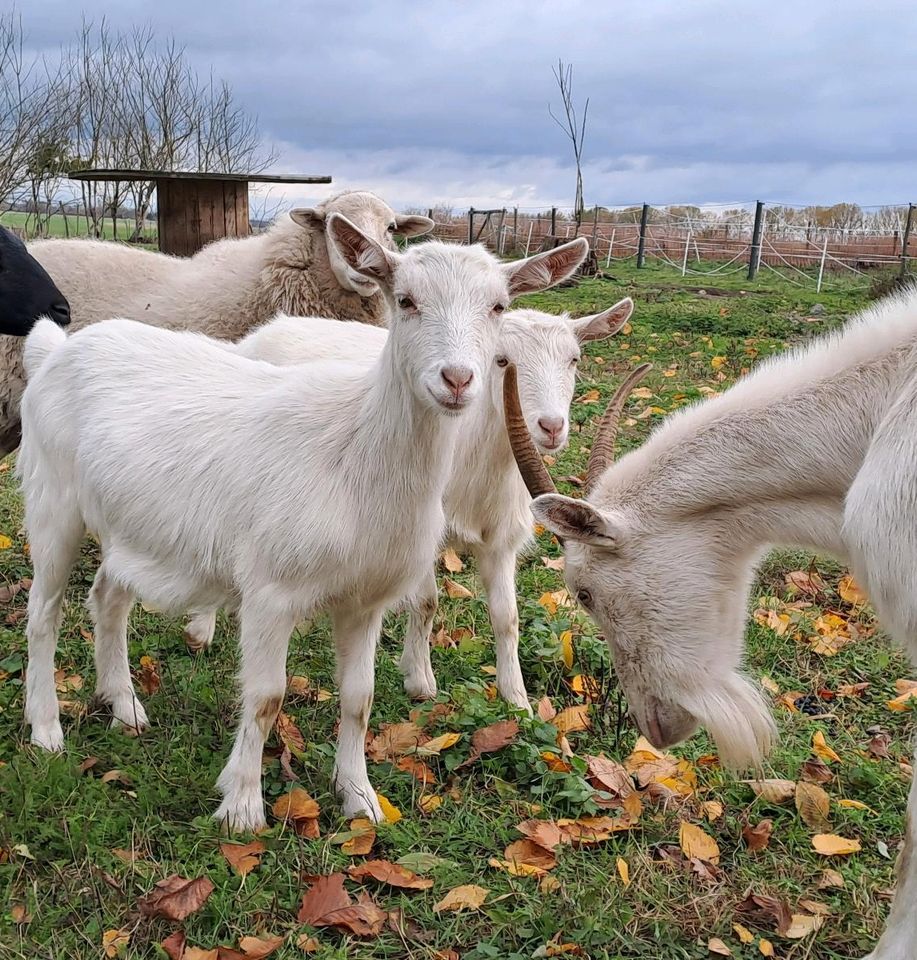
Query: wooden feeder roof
[(115, 174)]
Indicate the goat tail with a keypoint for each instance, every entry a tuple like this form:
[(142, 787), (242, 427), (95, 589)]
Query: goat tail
[(46, 336)]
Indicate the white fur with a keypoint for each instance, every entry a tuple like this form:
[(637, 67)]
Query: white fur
[(209, 479), (817, 448), (485, 501)]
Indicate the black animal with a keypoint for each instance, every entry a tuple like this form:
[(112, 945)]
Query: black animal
[(26, 290)]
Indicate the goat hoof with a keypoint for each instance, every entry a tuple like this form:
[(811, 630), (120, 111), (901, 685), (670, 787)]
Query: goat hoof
[(422, 688), (197, 642), (128, 713), (518, 699), (245, 815), (48, 736), (360, 802)]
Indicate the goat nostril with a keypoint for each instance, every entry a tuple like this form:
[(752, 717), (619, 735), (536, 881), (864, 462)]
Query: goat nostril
[(61, 313), (457, 378), (551, 425)]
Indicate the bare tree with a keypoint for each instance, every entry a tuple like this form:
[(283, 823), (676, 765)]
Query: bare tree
[(574, 127)]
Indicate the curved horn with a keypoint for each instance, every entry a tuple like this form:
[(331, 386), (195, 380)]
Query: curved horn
[(531, 466), (603, 447)]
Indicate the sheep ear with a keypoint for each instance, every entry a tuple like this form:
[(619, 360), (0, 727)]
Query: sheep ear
[(605, 324), (577, 520), (545, 269), (413, 226), (308, 216), (360, 252)]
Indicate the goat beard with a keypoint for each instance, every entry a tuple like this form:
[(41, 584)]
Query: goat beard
[(739, 720)]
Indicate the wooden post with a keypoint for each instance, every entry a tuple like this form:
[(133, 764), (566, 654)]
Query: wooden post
[(641, 242), (909, 223), (470, 226), (515, 228), (754, 259), (553, 221), (684, 259), (821, 266), (528, 240), (499, 245), (611, 244), (595, 224)]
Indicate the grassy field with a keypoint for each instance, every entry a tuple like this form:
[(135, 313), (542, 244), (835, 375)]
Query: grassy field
[(84, 836), (57, 226)]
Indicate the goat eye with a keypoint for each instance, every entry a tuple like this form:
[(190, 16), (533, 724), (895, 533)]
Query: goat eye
[(391, 228), (574, 361), (499, 308), (584, 597), (502, 361), (406, 303)]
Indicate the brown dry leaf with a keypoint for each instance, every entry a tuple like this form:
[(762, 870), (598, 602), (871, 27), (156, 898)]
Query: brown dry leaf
[(243, 858), (392, 874), (654, 769), (712, 810), (258, 947), (572, 719), (525, 858), (308, 944), (805, 581), (770, 685), (290, 735), (801, 925), (813, 805), (816, 907), (815, 770), (765, 947), (553, 563), (851, 592), (820, 748), (545, 709), (362, 840), (394, 740), (491, 738), (174, 945), (743, 933), (199, 953), (694, 842), (456, 590), (852, 689), (417, 769), (590, 396), (176, 897), (831, 845), (764, 910), (325, 895), (19, 914), (545, 833), (469, 896), (907, 691), (115, 942), (299, 810), (715, 945), (878, 746), (773, 791), (609, 775), (758, 837), (830, 878), (362, 919), (150, 680), (9, 590), (452, 561)]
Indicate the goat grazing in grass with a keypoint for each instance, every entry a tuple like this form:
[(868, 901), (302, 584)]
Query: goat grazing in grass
[(26, 290), (209, 479), (817, 448), (485, 500)]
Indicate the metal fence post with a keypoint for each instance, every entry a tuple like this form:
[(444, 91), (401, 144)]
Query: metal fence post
[(907, 236), (641, 242), (754, 259), (470, 225)]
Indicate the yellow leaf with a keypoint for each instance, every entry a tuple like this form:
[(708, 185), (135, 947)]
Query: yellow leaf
[(812, 804), (717, 362), (855, 805), (566, 647), (452, 561), (627, 329), (801, 925), (429, 802), (906, 693), (642, 393), (590, 396), (391, 813), (715, 945), (831, 845), (712, 809), (743, 933), (548, 602), (433, 748), (456, 590), (549, 884), (623, 871), (467, 897), (696, 843), (5, 544), (821, 748), (115, 942), (668, 373), (572, 719), (769, 684), (851, 592), (766, 948), (773, 791), (362, 836)]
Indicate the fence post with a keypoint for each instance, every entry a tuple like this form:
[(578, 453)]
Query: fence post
[(907, 236), (754, 259), (515, 231), (528, 239), (684, 259), (611, 243), (641, 242), (553, 221), (821, 266), (470, 225)]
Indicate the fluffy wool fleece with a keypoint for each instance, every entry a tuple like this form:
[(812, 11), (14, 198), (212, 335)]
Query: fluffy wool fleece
[(226, 290)]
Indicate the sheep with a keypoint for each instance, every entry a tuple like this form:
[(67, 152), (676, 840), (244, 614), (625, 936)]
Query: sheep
[(815, 449), (26, 290), (485, 501), (211, 479), (225, 290)]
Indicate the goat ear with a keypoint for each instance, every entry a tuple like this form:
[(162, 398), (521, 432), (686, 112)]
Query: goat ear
[(413, 226), (598, 326), (360, 252), (577, 520), (308, 216), (545, 269)]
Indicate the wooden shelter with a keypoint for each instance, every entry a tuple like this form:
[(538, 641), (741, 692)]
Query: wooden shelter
[(196, 208)]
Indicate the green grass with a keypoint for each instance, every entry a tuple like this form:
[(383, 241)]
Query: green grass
[(58, 827), (57, 227)]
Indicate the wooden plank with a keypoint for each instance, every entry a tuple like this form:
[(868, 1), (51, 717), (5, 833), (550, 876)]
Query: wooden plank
[(128, 175)]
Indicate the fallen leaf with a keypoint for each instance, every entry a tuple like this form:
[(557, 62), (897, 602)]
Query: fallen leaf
[(394, 740), (816, 907), (325, 895), (391, 874), (491, 738), (813, 805), (586, 686), (391, 813), (469, 896), (308, 944), (801, 925), (765, 909), (566, 648), (715, 945), (362, 919), (712, 809), (19, 914), (572, 719), (545, 709), (758, 837), (878, 746), (590, 396), (456, 590), (830, 878), (290, 735), (623, 871), (553, 563), (855, 805), (115, 942), (417, 769), (198, 953), (243, 858), (299, 810), (805, 581), (434, 747), (5, 542), (525, 858), (770, 685), (907, 691), (743, 933), (609, 775), (695, 842), (831, 845), (820, 748), (852, 689), (429, 803), (815, 770), (717, 362), (174, 945), (176, 897), (363, 836), (765, 947), (851, 592), (258, 947), (773, 791), (452, 561), (149, 679)]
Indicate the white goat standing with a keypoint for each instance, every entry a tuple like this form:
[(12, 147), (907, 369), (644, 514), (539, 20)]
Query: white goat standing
[(817, 448), (212, 479), (485, 501)]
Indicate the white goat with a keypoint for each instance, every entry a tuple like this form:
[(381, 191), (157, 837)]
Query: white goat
[(212, 479), (485, 501), (817, 448)]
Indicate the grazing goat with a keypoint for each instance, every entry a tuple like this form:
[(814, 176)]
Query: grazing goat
[(225, 290), (485, 501), (211, 479), (26, 290), (817, 448)]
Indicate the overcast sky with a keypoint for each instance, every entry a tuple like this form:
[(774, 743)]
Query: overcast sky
[(428, 102)]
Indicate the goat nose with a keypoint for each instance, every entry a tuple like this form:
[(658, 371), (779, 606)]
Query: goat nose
[(457, 378), (551, 425)]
